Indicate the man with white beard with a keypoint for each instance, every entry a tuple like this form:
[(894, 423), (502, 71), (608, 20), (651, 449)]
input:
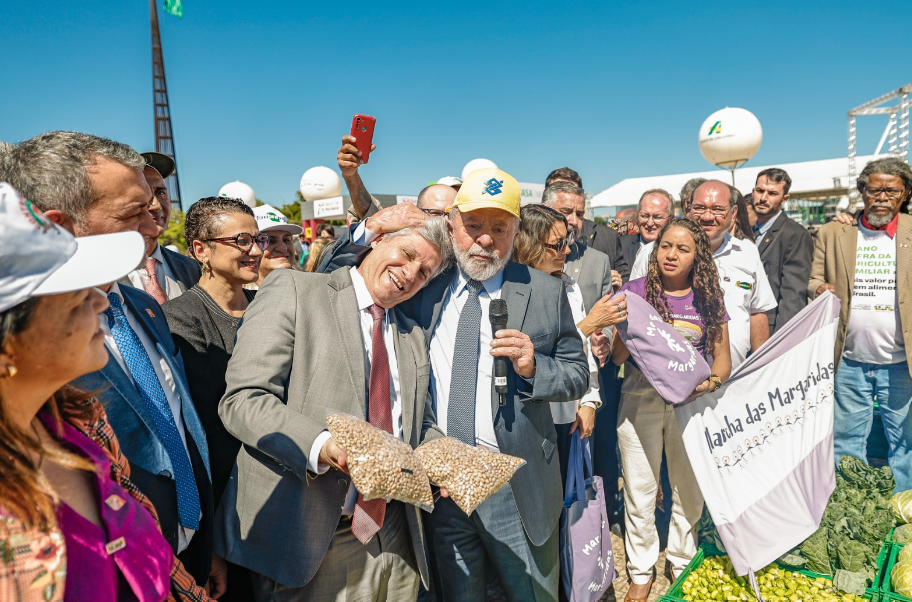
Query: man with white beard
[(514, 532)]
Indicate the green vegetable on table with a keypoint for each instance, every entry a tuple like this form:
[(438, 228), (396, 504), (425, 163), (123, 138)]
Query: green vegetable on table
[(902, 506), (904, 554), (901, 578), (715, 579), (903, 534)]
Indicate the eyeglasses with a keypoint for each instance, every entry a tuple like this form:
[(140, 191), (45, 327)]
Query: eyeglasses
[(646, 218), (892, 193), (434, 212), (244, 241), (716, 211), (285, 240), (561, 245)]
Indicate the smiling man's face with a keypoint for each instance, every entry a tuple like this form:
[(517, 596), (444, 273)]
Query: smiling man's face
[(396, 269)]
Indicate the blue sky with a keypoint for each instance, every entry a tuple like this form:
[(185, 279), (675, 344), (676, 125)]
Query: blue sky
[(261, 91)]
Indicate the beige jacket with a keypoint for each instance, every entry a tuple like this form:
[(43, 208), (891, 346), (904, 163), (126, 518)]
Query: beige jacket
[(834, 263)]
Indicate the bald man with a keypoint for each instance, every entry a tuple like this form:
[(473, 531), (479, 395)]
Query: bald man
[(436, 199), (745, 287)]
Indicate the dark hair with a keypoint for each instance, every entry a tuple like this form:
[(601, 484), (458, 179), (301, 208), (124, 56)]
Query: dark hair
[(552, 190), (774, 174), (536, 223), (26, 492), (566, 174), (687, 192), (326, 228), (704, 280), (200, 222), (891, 166), (743, 229)]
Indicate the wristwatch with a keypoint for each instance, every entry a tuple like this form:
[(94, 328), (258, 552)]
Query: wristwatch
[(715, 380)]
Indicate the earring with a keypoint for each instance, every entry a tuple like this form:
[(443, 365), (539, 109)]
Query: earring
[(206, 268), (11, 371)]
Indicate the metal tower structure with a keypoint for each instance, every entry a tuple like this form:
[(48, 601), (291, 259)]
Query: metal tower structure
[(896, 132), (164, 138)]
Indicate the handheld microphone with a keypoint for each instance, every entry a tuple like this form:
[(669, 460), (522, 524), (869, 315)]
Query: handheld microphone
[(497, 313)]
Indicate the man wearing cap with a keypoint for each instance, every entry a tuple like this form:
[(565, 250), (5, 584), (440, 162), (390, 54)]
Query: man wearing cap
[(91, 185), (514, 531), (166, 274), (279, 252)]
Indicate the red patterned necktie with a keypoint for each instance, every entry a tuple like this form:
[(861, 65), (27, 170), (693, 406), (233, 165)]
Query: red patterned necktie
[(152, 285), (368, 516)]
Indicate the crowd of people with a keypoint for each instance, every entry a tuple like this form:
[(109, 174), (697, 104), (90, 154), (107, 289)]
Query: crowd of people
[(163, 416)]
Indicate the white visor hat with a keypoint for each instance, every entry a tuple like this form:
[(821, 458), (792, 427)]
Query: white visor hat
[(38, 257)]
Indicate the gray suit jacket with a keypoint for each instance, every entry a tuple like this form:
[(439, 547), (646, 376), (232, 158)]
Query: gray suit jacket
[(185, 269), (284, 378), (786, 251), (537, 306), (592, 271)]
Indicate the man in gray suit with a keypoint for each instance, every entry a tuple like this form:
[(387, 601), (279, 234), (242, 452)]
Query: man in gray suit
[(165, 274), (289, 513), (514, 532), (785, 247)]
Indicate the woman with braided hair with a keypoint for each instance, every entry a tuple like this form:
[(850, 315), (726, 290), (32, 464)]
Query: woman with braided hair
[(682, 284)]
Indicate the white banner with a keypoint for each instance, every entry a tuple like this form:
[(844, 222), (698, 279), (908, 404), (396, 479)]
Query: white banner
[(406, 199), (531, 193), (762, 446), (331, 207)]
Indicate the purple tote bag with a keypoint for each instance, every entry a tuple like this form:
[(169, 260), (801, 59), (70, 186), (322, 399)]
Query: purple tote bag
[(586, 555), (667, 360)]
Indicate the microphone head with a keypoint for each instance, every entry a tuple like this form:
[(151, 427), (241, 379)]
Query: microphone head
[(497, 312)]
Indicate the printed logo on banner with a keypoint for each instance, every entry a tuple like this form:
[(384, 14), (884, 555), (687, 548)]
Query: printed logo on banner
[(688, 362), (741, 435)]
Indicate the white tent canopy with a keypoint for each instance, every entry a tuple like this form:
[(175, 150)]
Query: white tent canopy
[(807, 177)]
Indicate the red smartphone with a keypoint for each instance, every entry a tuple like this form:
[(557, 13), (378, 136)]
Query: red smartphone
[(363, 131)]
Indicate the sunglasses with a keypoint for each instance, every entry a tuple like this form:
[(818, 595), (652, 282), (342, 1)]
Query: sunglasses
[(561, 245), (244, 241)]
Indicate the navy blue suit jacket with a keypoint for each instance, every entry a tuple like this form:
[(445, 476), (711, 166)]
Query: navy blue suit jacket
[(134, 425)]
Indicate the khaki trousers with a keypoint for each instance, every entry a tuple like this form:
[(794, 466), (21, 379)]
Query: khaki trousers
[(646, 424)]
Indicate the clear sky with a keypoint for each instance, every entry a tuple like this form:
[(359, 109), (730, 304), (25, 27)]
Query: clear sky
[(261, 91)]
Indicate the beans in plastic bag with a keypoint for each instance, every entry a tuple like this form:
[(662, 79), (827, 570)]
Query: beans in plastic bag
[(470, 474), (380, 465)]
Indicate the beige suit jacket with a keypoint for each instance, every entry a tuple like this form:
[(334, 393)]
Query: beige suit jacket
[(834, 263)]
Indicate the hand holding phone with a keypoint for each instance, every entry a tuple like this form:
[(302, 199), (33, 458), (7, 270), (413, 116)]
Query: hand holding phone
[(363, 131)]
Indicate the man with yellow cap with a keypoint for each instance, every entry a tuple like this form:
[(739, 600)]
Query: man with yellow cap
[(515, 530)]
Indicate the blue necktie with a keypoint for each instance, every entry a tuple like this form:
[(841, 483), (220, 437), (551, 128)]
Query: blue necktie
[(150, 389), (464, 380)]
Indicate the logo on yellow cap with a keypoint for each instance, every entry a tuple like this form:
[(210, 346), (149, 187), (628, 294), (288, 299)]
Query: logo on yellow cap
[(493, 187)]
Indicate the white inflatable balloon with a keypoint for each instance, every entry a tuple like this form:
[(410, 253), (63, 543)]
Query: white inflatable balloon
[(729, 137), (477, 164), (239, 190), (320, 183)]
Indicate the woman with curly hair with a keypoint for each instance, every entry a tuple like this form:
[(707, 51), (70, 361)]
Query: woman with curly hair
[(683, 286)]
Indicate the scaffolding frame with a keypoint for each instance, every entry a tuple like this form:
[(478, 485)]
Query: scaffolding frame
[(896, 133), (164, 137)]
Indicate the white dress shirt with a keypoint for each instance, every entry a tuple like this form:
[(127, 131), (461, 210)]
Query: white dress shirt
[(163, 273), (565, 413), (364, 299), (165, 377), (442, 349)]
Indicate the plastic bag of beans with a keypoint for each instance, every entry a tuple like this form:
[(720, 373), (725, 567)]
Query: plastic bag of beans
[(470, 474), (380, 465)]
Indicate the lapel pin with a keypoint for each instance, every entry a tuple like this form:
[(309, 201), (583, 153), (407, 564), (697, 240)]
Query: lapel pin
[(115, 502), (149, 311), (903, 245), (118, 544)]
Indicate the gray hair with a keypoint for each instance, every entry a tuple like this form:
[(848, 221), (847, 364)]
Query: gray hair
[(661, 192), (687, 191), (51, 169), (434, 230), (890, 166), (5, 148), (560, 187)]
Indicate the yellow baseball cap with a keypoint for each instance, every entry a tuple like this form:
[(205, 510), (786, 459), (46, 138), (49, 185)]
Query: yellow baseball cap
[(489, 188)]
